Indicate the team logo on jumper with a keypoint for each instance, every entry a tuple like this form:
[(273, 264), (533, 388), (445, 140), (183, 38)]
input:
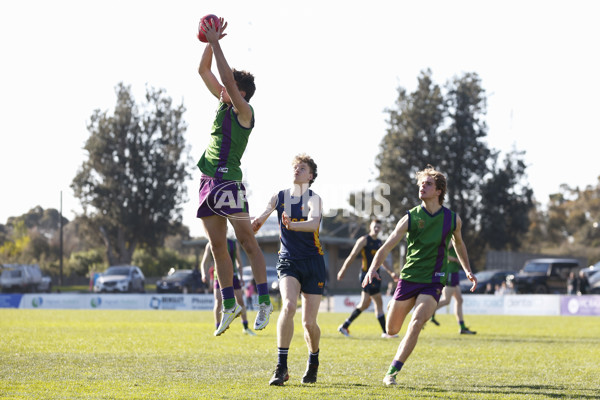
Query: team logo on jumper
[(321, 285), (421, 223), (223, 170)]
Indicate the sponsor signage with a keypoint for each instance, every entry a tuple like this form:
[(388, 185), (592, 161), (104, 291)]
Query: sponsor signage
[(580, 305)]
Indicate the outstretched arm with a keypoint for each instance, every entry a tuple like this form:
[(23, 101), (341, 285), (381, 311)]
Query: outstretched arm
[(260, 220), (213, 34), (210, 80), (358, 246), (461, 252)]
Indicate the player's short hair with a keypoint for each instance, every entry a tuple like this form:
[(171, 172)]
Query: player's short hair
[(438, 177), (305, 158), (245, 82)]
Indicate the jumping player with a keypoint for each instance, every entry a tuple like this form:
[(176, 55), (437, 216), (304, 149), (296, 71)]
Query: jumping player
[(301, 267), (367, 246), (238, 283), (222, 194), (429, 228), (452, 289)]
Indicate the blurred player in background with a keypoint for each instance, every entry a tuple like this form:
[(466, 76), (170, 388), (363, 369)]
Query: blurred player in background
[(452, 289), (367, 246), (238, 283)]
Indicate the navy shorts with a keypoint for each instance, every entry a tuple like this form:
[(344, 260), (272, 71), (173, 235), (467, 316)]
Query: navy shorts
[(310, 272), (236, 283), (406, 290), (221, 197), (372, 288)]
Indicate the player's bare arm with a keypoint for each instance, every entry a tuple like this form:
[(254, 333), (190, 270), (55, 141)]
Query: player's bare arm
[(358, 246), (313, 219), (382, 253), (260, 220), (461, 252), (213, 34), (210, 80)]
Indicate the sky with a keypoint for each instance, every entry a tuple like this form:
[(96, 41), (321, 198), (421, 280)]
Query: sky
[(325, 73)]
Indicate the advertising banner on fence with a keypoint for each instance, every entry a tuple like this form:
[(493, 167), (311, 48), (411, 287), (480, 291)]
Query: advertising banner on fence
[(580, 305), (117, 301)]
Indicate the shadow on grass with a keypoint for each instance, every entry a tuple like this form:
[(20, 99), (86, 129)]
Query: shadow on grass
[(530, 391)]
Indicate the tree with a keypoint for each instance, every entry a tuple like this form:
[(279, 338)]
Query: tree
[(465, 155), (506, 203), (131, 186), (412, 141), (447, 130)]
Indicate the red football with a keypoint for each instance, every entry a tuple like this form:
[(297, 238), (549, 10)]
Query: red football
[(211, 19)]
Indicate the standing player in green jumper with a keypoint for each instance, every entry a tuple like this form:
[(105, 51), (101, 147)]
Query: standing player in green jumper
[(452, 289), (222, 194), (429, 228)]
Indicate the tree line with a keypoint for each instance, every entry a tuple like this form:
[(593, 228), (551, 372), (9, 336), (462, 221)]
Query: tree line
[(132, 186)]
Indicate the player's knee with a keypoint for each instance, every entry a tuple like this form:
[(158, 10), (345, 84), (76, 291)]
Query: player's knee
[(289, 307), (310, 325)]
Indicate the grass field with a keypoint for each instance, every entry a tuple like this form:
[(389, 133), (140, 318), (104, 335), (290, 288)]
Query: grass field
[(95, 354)]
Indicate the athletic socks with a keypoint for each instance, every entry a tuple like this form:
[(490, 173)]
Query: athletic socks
[(245, 323), (282, 356), (263, 293), (395, 367), (313, 358), (381, 319), (228, 297), (462, 325), (352, 317)]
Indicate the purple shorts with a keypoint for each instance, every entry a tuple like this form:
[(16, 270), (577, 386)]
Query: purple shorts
[(236, 283), (221, 197), (453, 279), (406, 290)]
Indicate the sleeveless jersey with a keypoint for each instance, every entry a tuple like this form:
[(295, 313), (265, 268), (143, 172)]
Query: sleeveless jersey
[(368, 252), (428, 240), (228, 139), (232, 249), (295, 244), (453, 266)]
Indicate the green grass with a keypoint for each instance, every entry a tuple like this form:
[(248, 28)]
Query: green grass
[(103, 354)]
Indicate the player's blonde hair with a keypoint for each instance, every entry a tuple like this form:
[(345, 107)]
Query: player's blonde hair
[(438, 177), (305, 158)]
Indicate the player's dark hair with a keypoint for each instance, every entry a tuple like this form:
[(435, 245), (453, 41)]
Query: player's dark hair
[(305, 158), (245, 82)]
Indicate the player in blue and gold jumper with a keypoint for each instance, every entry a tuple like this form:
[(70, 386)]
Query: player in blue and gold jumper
[(367, 246), (301, 267)]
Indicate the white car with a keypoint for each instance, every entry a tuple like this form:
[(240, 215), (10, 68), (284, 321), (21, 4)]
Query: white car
[(272, 278), (121, 278)]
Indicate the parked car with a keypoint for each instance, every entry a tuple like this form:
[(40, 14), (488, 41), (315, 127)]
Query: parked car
[(181, 281), (121, 278), (24, 278), (272, 278), (594, 278), (491, 276), (545, 275)]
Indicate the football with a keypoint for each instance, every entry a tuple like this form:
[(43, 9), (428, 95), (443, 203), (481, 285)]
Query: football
[(207, 19)]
